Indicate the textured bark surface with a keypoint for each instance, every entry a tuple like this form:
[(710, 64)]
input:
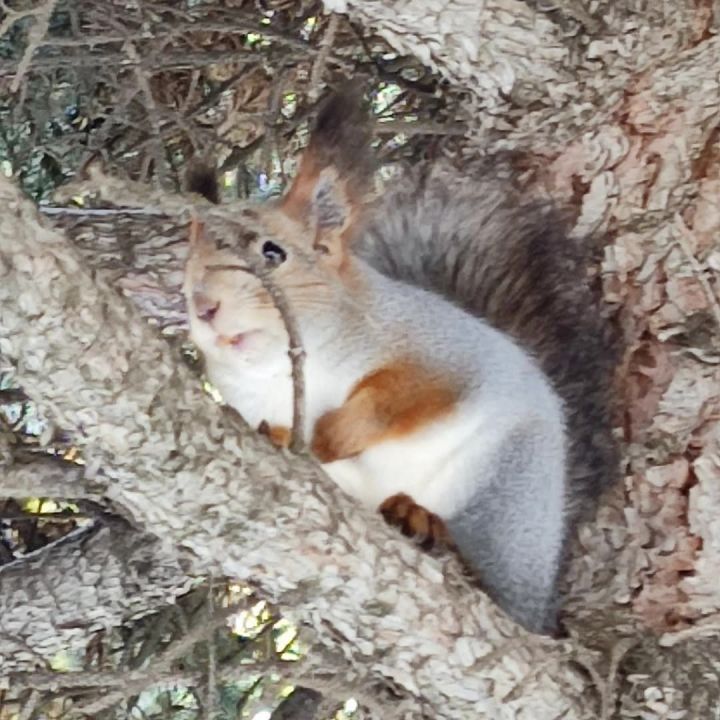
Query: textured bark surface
[(652, 180), (538, 76), (139, 253), (181, 467), (92, 580)]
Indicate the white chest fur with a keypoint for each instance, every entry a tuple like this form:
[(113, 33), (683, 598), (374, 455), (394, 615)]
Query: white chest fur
[(260, 387)]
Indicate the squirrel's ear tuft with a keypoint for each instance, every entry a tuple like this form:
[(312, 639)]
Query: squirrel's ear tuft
[(201, 178), (335, 174), (342, 135)]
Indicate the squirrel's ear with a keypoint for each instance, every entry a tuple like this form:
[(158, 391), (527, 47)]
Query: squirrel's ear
[(335, 173), (198, 238), (333, 214)]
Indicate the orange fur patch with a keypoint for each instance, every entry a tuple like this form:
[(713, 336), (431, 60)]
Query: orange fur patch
[(195, 229), (390, 402), (278, 435), (296, 202)]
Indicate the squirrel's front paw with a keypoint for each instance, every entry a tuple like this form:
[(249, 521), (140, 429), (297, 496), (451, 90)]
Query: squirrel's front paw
[(278, 435), (415, 521)]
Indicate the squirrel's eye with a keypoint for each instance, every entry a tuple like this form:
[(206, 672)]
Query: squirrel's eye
[(273, 253)]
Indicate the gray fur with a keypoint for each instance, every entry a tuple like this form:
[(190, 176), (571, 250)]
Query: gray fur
[(510, 261), (494, 470), (508, 534)]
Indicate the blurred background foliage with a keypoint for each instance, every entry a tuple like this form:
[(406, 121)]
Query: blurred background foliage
[(148, 85)]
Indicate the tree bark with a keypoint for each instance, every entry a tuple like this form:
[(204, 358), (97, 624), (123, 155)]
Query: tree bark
[(45, 477), (538, 78), (94, 579)]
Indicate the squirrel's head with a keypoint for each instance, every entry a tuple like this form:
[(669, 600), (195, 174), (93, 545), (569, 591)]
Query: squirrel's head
[(299, 244)]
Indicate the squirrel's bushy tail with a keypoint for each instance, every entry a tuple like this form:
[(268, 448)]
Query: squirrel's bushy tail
[(511, 261)]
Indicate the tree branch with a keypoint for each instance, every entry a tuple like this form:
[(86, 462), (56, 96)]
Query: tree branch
[(45, 477), (94, 578)]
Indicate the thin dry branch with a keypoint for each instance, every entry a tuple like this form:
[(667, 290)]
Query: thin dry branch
[(295, 349), (41, 16), (30, 706), (296, 354), (319, 65), (151, 108)]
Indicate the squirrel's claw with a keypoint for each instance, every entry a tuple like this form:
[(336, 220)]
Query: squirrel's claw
[(415, 521)]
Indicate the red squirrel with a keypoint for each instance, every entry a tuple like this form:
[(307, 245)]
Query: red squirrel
[(451, 341)]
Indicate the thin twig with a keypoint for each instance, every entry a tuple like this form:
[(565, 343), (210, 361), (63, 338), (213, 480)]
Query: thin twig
[(28, 709), (100, 212), (273, 114), (211, 701), (318, 68), (35, 37), (683, 240), (420, 128), (118, 60), (151, 108), (112, 681), (296, 353), (297, 360), (609, 694), (605, 685)]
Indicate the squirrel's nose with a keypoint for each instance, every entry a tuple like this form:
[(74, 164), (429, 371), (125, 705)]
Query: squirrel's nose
[(205, 307)]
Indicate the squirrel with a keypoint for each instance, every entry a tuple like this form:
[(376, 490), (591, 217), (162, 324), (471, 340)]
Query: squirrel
[(458, 367)]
